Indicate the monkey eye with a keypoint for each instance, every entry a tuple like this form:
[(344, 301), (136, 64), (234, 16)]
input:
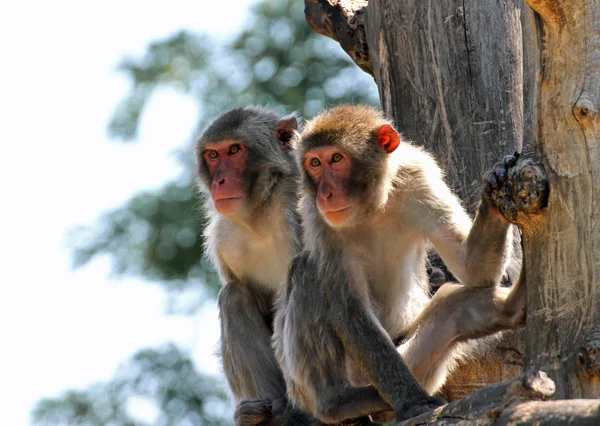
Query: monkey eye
[(234, 149), (337, 157), (315, 162), (212, 154)]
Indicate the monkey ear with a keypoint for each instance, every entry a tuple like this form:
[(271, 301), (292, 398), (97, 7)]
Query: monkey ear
[(285, 131), (388, 138)]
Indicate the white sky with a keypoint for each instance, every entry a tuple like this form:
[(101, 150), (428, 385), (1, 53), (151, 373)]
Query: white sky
[(61, 328)]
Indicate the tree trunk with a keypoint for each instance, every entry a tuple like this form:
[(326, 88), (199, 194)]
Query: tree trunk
[(563, 248), (462, 78), (451, 75)]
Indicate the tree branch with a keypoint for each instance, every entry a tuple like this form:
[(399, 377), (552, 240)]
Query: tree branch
[(518, 401), (343, 21)]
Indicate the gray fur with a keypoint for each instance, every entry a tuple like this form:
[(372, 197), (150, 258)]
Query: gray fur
[(252, 253)]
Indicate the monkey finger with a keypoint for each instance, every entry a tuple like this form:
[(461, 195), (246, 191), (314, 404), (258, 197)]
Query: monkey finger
[(500, 169)]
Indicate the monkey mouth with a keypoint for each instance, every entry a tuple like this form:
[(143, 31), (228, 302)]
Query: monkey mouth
[(336, 211), (228, 205), (226, 199), (339, 216)]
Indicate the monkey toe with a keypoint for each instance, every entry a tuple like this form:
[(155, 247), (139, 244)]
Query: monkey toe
[(588, 356), (422, 407), (253, 412)]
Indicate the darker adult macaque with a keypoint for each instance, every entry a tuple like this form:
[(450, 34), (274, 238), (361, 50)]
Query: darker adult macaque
[(247, 169), (371, 205)]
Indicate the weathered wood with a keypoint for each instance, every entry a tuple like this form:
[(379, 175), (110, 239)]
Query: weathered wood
[(514, 402), (341, 20), (563, 249)]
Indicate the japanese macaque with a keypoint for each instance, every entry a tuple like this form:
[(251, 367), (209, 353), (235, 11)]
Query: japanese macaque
[(247, 169), (371, 205)]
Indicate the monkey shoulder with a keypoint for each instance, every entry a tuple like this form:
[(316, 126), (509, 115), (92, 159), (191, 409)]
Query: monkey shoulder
[(418, 163)]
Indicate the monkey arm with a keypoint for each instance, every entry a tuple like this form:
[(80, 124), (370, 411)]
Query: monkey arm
[(370, 347), (248, 359), (476, 252)]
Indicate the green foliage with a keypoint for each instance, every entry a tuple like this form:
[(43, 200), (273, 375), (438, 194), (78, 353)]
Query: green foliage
[(164, 381), (277, 60), (155, 234)]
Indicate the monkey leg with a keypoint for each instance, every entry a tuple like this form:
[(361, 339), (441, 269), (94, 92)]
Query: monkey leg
[(337, 405), (369, 346), (456, 314), (248, 359)]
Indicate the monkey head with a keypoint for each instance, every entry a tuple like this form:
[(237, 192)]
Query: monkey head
[(344, 154), (242, 155)]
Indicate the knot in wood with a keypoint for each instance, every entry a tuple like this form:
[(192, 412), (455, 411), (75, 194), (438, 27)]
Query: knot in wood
[(534, 385), (588, 356), (584, 110)]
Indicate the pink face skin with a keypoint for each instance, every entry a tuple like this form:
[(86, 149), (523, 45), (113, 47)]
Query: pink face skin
[(329, 168), (226, 161)]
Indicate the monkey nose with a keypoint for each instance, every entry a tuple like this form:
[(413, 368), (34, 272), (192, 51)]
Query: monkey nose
[(222, 181), (326, 195)]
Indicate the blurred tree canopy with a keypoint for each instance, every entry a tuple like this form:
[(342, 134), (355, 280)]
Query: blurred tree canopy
[(162, 384), (276, 60)]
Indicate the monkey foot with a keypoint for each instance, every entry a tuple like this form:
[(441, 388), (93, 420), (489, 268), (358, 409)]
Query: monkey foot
[(417, 409), (589, 356), (517, 187), (253, 412)]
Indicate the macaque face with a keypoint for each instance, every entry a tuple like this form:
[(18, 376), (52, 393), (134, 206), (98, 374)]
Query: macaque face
[(329, 168), (226, 161)]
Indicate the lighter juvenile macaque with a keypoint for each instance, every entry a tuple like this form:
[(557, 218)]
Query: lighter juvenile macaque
[(371, 205), (247, 169)]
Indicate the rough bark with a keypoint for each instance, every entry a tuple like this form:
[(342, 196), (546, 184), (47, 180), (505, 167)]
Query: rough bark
[(515, 402), (343, 21), (563, 247)]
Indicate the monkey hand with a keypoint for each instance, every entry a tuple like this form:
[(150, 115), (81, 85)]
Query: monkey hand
[(517, 187), (253, 412)]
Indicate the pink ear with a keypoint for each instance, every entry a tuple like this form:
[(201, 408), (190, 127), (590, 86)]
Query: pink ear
[(388, 138), (285, 130)]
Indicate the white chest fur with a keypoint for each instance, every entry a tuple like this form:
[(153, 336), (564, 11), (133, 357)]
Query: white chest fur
[(262, 258), (395, 270)]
